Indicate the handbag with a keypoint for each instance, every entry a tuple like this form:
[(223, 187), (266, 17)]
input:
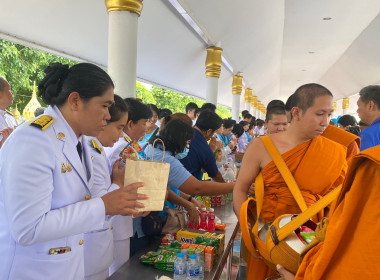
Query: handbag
[(175, 220), (154, 174), (277, 242)]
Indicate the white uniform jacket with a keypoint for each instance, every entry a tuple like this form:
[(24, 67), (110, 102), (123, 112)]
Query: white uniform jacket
[(123, 225), (44, 211), (98, 245)]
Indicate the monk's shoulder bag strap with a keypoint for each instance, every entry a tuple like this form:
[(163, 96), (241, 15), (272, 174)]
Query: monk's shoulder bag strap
[(277, 242)]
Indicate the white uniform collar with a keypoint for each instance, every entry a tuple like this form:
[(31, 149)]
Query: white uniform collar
[(59, 115)]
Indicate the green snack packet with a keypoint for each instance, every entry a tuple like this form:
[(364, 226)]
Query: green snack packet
[(308, 236)]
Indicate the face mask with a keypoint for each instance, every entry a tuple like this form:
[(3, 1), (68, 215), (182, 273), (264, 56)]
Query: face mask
[(183, 154)]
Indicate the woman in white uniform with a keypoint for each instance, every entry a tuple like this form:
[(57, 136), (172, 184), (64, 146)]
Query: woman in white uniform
[(127, 147), (46, 179), (98, 245)]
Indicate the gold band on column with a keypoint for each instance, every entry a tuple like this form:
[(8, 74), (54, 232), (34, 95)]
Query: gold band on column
[(248, 95), (134, 6), (213, 62), (237, 85), (346, 103), (254, 101), (334, 106)]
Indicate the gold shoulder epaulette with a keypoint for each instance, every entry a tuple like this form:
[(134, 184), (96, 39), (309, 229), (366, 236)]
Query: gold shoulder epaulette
[(10, 113), (96, 146), (42, 122)]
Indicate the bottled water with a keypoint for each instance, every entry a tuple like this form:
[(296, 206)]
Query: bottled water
[(179, 268), (192, 268), (201, 265)]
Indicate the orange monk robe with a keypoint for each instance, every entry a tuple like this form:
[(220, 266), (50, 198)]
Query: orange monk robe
[(352, 244), (345, 138), (318, 166)]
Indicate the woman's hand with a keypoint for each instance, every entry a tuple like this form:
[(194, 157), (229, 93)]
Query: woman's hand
[(117, 176), (124, 201), (284, 273), (193, 214), (198, 203)]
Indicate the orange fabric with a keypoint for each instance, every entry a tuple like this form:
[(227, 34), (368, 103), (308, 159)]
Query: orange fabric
[(352, 243), (345, 138), (318, 166)]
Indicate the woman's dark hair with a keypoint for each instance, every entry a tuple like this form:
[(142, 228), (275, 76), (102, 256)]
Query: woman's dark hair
[(227, 123), (243, 123), (208, 120), (118, 108), (175, 134), (238, 130), (87, 79), (154, 108), (181, 116), (347, 120), (164, 113), (259, 122), (137, 110)]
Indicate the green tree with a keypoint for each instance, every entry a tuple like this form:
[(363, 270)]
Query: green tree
[(21, 66)]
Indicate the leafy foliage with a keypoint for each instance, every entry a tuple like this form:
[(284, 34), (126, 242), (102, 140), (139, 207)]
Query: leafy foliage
[(21, 66)]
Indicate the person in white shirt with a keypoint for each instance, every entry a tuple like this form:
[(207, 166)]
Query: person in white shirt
[(7, 121)]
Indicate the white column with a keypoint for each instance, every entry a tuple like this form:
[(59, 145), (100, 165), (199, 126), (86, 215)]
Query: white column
[(122, 44), (248, 106), (235, 106), (253, 111), (212, 90)]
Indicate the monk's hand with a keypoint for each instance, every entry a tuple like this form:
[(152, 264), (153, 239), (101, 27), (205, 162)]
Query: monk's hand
[(284, 273), (124, 201), (251, 190)]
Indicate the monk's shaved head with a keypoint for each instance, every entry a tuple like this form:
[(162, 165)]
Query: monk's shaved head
[(305, 95), (274, 110)]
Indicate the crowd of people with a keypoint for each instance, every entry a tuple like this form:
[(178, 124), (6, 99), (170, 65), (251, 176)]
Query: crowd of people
[(65, 210)]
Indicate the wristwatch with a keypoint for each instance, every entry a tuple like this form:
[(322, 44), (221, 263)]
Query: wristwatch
[(190, 198)]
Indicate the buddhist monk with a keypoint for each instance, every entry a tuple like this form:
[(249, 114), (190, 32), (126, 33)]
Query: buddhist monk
[(345, 138), (317, 163), (351, 246), (275, 119)]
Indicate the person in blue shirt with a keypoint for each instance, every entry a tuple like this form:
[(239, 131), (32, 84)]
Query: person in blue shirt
[(369, 113), (151, 127), (47, 178), (226, 134), (176, 136), (200, 156)]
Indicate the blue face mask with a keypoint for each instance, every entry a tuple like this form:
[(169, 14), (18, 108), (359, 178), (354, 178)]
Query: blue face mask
[(183, 154)]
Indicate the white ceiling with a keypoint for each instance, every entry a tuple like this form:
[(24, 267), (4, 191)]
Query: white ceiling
[(268, 40)]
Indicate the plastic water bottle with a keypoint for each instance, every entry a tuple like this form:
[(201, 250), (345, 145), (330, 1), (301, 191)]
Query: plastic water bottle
[(192, 268), (203, 219), (201, 265), (180, 270), (211, 220)]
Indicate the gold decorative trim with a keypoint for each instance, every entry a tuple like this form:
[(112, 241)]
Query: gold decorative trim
[(346, 103), (213, 62), (334, 106), (254, 101), (134, 6), (248, 95), (237, 85)]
